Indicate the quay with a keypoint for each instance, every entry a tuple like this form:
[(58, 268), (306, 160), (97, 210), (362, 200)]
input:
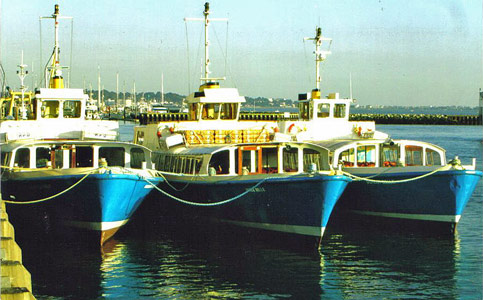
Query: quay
[(16, 280), (422, 119)]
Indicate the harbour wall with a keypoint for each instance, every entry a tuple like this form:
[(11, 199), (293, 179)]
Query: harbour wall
[(423, 119), (16, 280)]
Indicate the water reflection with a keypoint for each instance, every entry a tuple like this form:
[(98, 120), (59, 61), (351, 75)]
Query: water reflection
[(204, 265), (214, 263), (385, 265)]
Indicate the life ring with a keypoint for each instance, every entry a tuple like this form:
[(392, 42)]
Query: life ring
[(358, 130), (292, 126)]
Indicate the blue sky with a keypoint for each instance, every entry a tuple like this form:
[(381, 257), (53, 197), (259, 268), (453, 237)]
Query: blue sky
[(398, 52)]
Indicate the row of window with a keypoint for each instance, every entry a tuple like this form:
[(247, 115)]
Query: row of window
[(183, 164), (366, 156), (213, 111), (248, 160), (70, 109), (76, 157), (322, 110)]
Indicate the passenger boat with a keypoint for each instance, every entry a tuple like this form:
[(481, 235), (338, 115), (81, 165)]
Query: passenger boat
[(71, 170), (63, 184), (394, 180), (226, 170)]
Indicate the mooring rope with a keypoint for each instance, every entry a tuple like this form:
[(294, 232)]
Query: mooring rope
[(358, 178), (53, 196), (213, 203)]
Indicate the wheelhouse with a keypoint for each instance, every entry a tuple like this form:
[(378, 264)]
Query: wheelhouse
[(214, 103), (311, 107)]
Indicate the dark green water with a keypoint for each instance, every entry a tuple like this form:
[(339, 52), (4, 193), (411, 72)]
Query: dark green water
[(166, 262)]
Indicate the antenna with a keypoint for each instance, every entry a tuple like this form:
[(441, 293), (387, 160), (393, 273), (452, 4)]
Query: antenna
[(206, 12)]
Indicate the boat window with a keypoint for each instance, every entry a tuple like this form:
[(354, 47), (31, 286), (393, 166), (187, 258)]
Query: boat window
[(220, 161), (43, 157), (323, 110), (347, 158), (137, 158), (228, 111), (311, 157), (179, 164), (366, 156), (22, 158), (290, 159), (72, 109), (58, 161), (339, 110), (432, 158), (194, 111), (5, 158), (49, 109), (210, 111), (139, 137), (269, 160), (414, 155), (305, 109), (113, 155), (389, 155), (249, 160), (84, 157)]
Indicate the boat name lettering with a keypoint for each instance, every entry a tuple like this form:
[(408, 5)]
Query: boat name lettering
[(256, 190)]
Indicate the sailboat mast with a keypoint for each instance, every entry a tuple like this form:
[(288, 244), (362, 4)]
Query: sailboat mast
[(162, 88), (117, 89), (98, 87)]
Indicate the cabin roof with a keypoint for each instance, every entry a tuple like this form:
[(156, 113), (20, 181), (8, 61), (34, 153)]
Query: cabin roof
[(60, 94), (199, 150), (216, 95), (333, 145), (9, 147)]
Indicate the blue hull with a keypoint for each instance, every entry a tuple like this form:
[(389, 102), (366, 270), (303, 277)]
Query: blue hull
[(299, 204), (99, 205), (439, 199)]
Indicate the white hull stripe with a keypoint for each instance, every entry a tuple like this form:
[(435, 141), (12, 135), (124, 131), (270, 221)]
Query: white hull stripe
[(99, 226), (297, 229), (422, 217)]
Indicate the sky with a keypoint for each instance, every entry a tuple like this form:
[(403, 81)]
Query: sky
[(396, 52)]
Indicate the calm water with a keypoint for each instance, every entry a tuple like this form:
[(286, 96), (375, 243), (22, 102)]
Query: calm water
[(165, 262)]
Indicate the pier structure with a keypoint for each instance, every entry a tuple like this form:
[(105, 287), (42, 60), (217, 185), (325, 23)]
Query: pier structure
[(16, 280), (407, 119)]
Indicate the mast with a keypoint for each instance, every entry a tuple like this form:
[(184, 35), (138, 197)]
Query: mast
[(320, 55), (55, 70), (206, 73), (117, 89), (162, 88), (21, 74), (98, 87)]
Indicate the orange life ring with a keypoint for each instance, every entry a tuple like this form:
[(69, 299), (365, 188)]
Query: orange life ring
[(291, 127)]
